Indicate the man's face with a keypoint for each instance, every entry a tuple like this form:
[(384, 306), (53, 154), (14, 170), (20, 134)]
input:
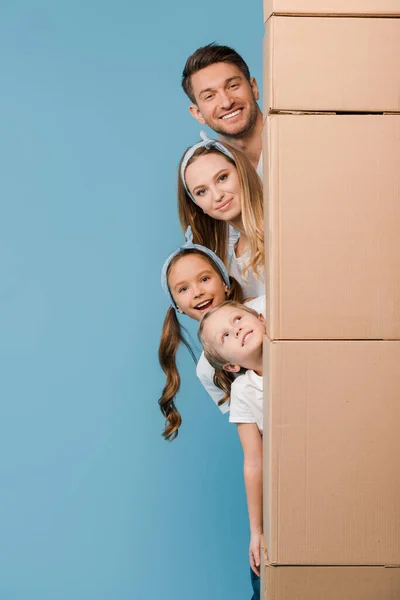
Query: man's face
[(225, 100)]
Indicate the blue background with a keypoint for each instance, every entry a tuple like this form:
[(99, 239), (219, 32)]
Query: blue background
[(94, 504)]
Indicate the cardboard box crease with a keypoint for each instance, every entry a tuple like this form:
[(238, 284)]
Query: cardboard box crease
[(355, 8)]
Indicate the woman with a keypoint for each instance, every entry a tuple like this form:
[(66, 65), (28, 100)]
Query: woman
[(220, 196)]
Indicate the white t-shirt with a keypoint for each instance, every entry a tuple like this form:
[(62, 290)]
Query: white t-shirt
[(205, 372), (250, 285), (247, 399)]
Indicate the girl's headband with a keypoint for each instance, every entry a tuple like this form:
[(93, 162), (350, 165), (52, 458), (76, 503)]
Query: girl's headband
[(190, 246), (205, 143)]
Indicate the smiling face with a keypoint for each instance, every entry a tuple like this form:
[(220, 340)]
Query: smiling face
[(225, 100), (214, 183), (236, 335), (195, 285)]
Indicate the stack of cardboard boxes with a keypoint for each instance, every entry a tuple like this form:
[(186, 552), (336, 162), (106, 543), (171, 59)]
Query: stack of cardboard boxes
[(332, 357)]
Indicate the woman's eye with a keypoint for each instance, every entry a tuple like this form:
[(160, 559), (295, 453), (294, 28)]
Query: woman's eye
[(237, 319), (183, 289), (223, 177), (225, 335), (205, 278), (200, 192)]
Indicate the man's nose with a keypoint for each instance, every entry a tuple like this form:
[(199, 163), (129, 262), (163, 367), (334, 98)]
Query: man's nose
[(226, 100)]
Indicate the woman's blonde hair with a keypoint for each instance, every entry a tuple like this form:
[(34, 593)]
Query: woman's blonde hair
[(223, 379), (214, 234), (171, 337)]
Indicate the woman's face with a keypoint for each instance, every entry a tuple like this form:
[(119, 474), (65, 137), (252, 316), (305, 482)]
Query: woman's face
[(214, 183), (195, 285)]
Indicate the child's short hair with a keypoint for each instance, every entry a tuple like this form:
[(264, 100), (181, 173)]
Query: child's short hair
[(216, 360)]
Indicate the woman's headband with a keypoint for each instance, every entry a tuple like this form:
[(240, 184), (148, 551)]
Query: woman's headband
[(205, 143), (190, 246)]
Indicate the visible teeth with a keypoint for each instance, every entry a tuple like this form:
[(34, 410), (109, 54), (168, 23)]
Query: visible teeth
[(231, 115), (245, 338), (203, 304)]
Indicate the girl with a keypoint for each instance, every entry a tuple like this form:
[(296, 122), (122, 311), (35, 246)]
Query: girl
[(220, 196), (232, 337), (195, 280)]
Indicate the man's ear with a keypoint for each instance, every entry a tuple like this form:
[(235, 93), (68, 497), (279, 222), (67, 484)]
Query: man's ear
[(231, 368), (195, 112), (254, 87)]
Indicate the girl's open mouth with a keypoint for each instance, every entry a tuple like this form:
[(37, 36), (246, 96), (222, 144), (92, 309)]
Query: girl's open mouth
[(204, 305)]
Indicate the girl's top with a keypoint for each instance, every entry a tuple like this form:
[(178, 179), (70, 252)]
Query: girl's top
[(247, 399), (205, 372)]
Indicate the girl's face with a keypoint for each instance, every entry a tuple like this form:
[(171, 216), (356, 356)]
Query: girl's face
[(235, 334), (195, 286), (214, 183)]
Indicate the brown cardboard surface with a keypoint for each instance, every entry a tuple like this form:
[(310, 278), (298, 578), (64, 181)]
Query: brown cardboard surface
[(332, 452), (331, 7), (307, 69), (332, 223), (327, 583)]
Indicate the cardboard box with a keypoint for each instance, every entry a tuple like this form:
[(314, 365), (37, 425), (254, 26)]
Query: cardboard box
[(340, 64), (331, 7), (327, 583), (332, 452), (332, 223)]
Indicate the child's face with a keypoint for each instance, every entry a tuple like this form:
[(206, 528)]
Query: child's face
[(214, 183), (235, 334), (195, 286)]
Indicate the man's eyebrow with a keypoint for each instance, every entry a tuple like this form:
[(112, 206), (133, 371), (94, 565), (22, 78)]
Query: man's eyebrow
[(226, 82)]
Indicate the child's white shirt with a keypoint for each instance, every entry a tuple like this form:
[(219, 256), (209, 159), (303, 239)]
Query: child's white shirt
[(246, 404), (205, 372)]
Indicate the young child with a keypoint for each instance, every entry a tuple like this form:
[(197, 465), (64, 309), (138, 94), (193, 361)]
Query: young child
[(232, 337), (220, 196), (195, 280)]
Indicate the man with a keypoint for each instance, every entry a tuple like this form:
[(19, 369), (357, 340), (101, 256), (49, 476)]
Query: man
[(224, 97)]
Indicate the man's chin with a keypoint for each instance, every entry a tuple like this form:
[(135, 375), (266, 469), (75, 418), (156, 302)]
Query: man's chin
[(233, 133)]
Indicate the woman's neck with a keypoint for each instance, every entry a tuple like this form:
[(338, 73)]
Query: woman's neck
[(237, 224)]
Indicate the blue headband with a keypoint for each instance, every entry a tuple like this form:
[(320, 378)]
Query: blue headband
[(190, 246), (205, 143)]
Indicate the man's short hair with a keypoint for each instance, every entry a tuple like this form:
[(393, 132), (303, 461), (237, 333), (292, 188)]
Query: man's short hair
[(206, 56)]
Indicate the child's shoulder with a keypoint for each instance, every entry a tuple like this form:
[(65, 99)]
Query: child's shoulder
[(246, 383)]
